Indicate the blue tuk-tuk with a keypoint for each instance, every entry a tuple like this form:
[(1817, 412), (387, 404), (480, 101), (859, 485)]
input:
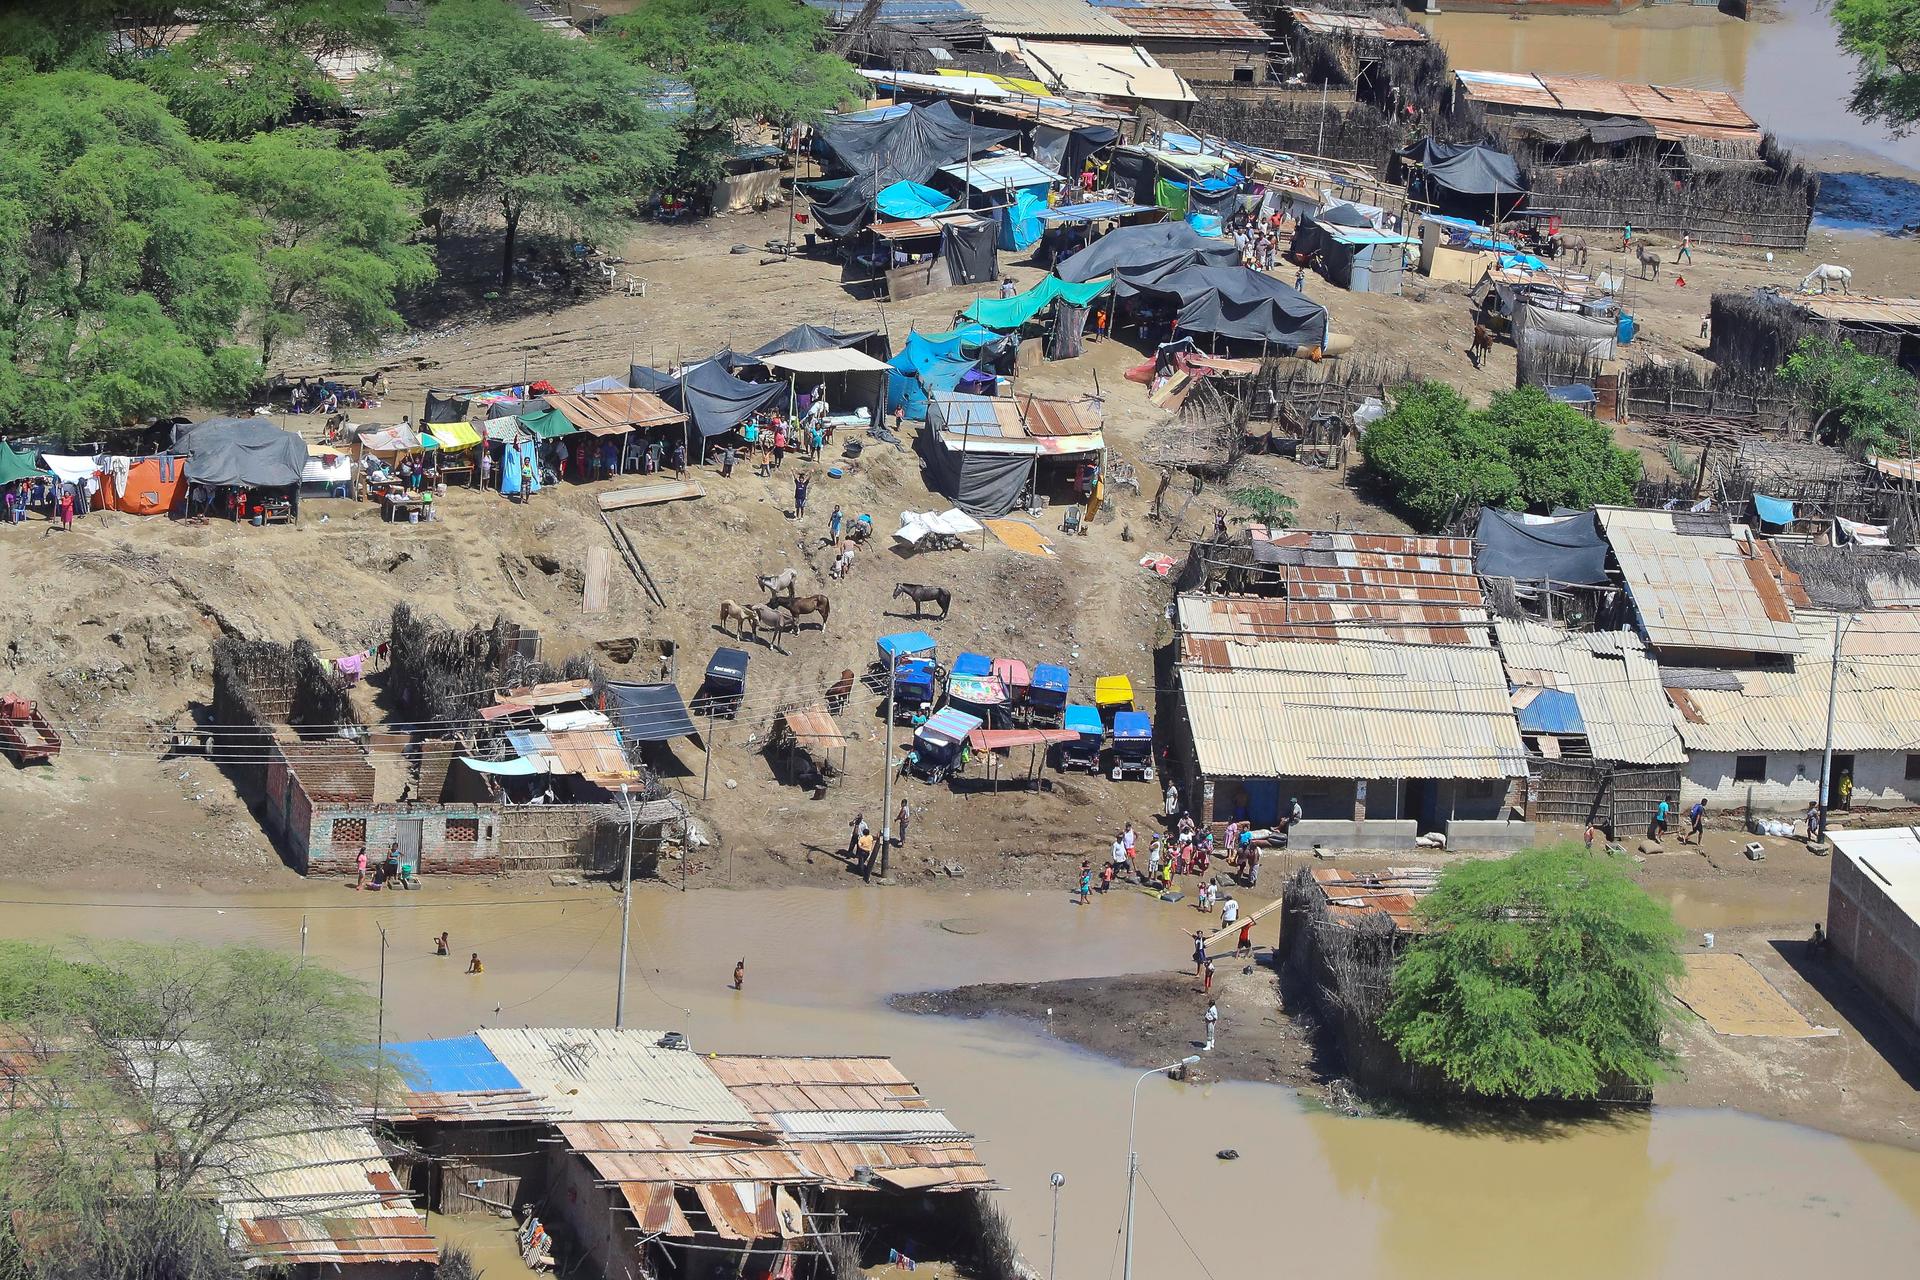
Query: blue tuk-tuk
[(940, 745), (725, 683), (1047, 697), (1082, 752), (1132, 745), (972, 664), (910, 657)]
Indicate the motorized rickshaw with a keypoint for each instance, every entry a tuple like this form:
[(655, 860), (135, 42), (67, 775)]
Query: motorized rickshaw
[(940, 745), (1112, 694), (1047, 696), (1082, 752), (1016, 680), (972, 664), (910, 658), (1132, 746), (725, 683), (982, 697)]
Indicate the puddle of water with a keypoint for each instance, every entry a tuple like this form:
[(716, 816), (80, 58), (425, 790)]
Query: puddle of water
[(1678, 1193), (1788, 70), (1734, 905)]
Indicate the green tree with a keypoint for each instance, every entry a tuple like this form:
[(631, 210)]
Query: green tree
[(226, 67), (143, 1077), (124, 271), (1865, 403), (1542, 975), (1440, 457), (1884, 38), (1270, 506), (746, 59), (496, 112), (339, 237)]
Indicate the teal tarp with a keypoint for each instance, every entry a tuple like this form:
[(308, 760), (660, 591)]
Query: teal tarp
[(1011, 313), (15, 465), (911, 200), (1020, 224)]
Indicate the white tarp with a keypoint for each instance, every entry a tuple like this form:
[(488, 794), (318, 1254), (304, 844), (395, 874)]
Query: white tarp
[(916, 525), (70, 468), (842, 360)]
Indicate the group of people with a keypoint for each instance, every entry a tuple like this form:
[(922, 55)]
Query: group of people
[(863, 843), (53, 499)]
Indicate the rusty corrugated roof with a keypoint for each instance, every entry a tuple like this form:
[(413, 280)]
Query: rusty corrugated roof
[(1395, 893), (1187, 20), (1360, 25)]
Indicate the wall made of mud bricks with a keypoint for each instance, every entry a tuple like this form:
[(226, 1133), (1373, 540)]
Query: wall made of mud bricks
[(1876, 936)]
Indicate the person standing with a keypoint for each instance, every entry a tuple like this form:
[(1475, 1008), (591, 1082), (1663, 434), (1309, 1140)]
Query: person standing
[(1696, 820), (1206, 977), (1173, 801), (1813, 822), (1153, 861), (1199, 953), (855, 829), (1127, 840), (801, 483), (66, 508), (779, 445), (1230, 912), (739, 973), (900, 825), (440, 944), (1086, 882), (360, 866), (1212, 1018), (680, 461), (1686, 248), (833, 525)]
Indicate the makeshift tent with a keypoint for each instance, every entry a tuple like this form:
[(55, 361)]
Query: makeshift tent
[(648, 712), (981, 481), (151, 486), (708, 394), (1068, 151), (1359, 257), (1092, 211), (329, 470), (15, 465), (848, 377), (246, 453), (928, 364), (1466, 179), (1564, 549), (1589, 336), (1011, 313), (813, 337), (447, 406), (1141, 250), (970, 251), (1218, 196), (902, 146), (911, 200), (1235, 302), (547, 422)]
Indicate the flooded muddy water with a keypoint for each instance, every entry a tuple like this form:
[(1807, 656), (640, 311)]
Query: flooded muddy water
[(1676, 1193), (1786, 66)]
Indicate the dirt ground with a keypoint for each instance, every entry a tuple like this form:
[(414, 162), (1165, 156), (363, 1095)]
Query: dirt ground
[(112, 626)]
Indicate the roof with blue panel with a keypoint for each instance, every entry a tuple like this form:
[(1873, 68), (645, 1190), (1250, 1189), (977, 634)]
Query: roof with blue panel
[(1051, 678), (463, 1064), (1132, 724), (1083, 719), (972, 664)]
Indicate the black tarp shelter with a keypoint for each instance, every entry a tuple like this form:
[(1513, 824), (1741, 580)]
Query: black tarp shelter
[(905, 146), (1068, 150), (648, 712), (241, 453), (1467, 180), (1144, 251), (815, 337), (713, 399), (1567, 549), (1235, 302)]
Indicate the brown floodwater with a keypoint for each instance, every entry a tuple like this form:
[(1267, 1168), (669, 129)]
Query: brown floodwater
[(1675, 1193), (1786, 67)]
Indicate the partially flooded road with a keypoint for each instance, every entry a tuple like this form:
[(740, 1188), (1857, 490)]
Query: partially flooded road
[(1677, 1193)]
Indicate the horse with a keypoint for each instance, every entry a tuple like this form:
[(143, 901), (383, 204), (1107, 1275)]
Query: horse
[(1482, 345), (1575, 247), (921, 595), (778, 583), (1827, 273), (776, 620), (1649, 260), (734, 613), (798, 605), (838, 692)]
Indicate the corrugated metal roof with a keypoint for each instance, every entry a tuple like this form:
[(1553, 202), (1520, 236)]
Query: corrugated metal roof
[(318, 1190), (593, 1074), (1617, 688), (615, 412), (891, 1124), (1673, 109), (1876, 706), (1351, 709), (813, 726), (767, 1085), (1001, 170), (1394, 893), (1186, 19), (1861, 308), (1362, 25), (683, 1153), (1698, 591), (1047, 18)]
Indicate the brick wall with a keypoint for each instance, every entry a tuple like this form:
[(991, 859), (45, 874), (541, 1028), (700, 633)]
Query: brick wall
[(339, 830), (1792, 781), (1878, 938)]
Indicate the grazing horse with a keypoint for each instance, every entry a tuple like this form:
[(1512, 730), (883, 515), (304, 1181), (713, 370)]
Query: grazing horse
[(1482, 345), (1575, 247), (734, 614), (778, 621), (779, 583), (838, 691), (921, 595), (798, 605), (1649, 261), (1826, 273)]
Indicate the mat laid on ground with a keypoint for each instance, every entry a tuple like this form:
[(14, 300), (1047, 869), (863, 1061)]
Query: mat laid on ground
[(1021, 537), (648, 492), (1735, 999)]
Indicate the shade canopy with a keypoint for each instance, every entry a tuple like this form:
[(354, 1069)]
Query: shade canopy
[(813, 337), (1148, 246), (1236, 302), (843, 361), (875, 153), (248, 453), (648, 712)]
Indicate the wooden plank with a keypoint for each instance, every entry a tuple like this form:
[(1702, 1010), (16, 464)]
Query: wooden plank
[(593, 595), (1234, 928), (649, 493)]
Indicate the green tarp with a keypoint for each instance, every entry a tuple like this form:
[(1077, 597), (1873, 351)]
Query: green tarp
[(548, 424), (1011, 313), (16, 466), (1171, 196)]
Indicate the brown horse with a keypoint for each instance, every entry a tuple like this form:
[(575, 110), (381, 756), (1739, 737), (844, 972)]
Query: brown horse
[(838, 691), (734, 614), (799, 605), (1482, 346)]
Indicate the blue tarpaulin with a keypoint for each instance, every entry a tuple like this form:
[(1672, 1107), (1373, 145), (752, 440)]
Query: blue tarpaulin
[(463, 1064), (926, 365), (972, 664), (1572, 393), (1552, 711), (1084, 719), (1093, 211), (911, 200), (1773, 510), (1020, 224), (903, 644)]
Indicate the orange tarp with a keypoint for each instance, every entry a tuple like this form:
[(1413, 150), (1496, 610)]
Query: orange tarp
[(148, 493)]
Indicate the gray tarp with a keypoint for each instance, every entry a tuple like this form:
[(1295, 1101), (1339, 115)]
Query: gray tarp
[(1592, 338), (909, 147), (980, 483), (1143, 250), (814, 337), (716, 400), (1568, 549), (246, 453), (1235, 302), (1475, 181), (648, 712), (971, 252)]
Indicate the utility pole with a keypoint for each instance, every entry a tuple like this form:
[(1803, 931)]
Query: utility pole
[(1133, 1157), (303, 938), (886, 787), (1059, 1180), (626, 916), (380, 1027), (1826, 757)]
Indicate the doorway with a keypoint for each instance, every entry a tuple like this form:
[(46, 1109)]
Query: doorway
[(1842, 768), (406, 833)]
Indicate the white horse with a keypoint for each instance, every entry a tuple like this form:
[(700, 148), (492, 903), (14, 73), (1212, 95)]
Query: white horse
[(1825, 274)]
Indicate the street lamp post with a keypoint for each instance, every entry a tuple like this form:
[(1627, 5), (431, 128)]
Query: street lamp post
[(1133, 1155), (1059, 1180)]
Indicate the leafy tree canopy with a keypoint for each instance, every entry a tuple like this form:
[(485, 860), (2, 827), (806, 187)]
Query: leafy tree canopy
[(1884, 38), (1442, 457), (495, 112), (746, 59), (124, 270), (1270, 506), (226, 67), (1542, 975), (338, 237), (1866, 403)]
